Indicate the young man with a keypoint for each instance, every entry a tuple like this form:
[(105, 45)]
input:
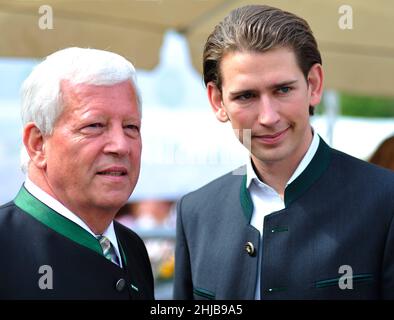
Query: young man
[(81, 116), (305, 221)]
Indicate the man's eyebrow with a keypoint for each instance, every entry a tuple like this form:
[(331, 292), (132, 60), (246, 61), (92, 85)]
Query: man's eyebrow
[(272, 86), (283, 84), (132, 119), (235, 93)]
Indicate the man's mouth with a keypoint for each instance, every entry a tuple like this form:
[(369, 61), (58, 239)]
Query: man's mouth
[(273, 136), (113, 171), (272, 139)]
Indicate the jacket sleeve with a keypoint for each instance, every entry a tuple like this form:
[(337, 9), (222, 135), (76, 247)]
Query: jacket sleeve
[(183, 284)]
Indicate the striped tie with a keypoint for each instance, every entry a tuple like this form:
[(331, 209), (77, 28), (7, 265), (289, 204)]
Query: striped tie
[(108, 249)]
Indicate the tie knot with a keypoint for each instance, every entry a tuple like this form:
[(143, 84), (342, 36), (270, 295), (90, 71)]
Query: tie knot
[(108, 249)]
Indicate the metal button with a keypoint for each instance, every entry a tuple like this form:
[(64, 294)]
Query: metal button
[(249, 247), (120, 285)]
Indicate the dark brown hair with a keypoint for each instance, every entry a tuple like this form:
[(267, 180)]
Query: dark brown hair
[(384, 154), (259, 28)]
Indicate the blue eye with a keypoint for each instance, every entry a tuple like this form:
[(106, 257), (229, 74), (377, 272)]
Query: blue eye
[(284, 89), (245, 96), (95, 125), (132, 130), (133, 127), (92, 128)]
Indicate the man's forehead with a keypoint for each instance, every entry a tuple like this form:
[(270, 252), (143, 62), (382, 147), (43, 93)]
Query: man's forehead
[(83, 100), (284, 54), (271, 67), (68, 87)]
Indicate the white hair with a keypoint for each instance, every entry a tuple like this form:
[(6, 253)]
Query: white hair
[(42, 101)]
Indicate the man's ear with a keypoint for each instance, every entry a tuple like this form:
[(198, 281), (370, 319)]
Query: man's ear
[(34, 144), (315, 82), (215, 99)]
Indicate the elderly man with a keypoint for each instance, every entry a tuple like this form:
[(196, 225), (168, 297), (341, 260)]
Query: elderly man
[(302, 220), (82, 145)]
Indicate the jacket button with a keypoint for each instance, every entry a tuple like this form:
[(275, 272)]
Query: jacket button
[(249, 247), (120, 284)]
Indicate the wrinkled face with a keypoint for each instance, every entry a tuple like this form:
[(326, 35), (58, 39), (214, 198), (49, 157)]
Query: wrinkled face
[(93, 155), (268, 94)]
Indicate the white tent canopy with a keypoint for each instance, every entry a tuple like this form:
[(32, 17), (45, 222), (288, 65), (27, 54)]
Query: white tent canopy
[(358, 53)]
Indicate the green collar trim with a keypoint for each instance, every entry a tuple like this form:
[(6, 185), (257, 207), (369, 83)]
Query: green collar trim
[(299, 186), (246, 200), (122, 253), (31, 205), (310, 175)]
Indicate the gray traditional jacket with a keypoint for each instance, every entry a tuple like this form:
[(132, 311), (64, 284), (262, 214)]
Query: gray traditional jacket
[(333, 240)]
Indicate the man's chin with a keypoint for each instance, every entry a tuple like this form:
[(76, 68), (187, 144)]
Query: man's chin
[(114, 202), (268, 156)]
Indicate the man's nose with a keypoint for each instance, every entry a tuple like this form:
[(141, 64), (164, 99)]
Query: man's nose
[(118, 143), (268, 113)]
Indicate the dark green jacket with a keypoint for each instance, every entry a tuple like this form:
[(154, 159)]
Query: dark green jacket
[(34, 236)]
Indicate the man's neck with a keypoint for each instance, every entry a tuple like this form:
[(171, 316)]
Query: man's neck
[(98, 223), (96, 219)]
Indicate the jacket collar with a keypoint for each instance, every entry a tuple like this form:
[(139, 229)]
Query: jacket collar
[(55, 221), (297, 187)]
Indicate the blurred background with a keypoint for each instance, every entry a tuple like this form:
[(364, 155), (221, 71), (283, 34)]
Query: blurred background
[(184, 146)]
